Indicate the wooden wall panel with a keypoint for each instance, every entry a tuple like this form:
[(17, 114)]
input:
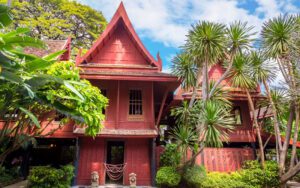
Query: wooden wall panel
[(224, 159), (119, 49), (91, 158), (138, 160)]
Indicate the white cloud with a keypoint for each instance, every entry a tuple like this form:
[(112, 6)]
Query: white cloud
[(168, 21)]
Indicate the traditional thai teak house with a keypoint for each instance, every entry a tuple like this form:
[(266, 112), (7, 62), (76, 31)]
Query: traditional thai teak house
[(120, 65), (140, 97)]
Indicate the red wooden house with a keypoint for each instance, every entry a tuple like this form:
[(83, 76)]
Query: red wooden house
[(140, 97), (120, 65)]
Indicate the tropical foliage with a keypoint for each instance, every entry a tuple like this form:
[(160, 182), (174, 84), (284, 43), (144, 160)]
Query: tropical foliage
[(245, 67), (46, 176), (34, 91), (52, 19)]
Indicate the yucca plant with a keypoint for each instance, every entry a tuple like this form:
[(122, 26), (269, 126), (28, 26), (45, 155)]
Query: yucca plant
[(239, 38), (240, 77), (186, 138), (215, 122), (279, 42), (185, 69), (206, 44)]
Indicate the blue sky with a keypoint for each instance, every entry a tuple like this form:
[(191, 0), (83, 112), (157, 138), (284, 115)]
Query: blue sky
[(163, 24)]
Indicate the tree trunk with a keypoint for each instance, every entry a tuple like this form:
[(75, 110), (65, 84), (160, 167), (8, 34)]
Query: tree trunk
[(296, 129), (261, 146), (285, 146), (223, 76), (194, 95), (205, 82), (291, 173), (276, 122)]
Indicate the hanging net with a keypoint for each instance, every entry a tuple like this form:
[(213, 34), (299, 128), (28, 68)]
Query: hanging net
[(115, 171)]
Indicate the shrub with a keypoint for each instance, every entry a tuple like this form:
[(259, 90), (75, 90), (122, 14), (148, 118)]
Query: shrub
[(194, 176), (171, 156), (253, 174), (46, 176), (224, 180), (167, 177), (8, 176)]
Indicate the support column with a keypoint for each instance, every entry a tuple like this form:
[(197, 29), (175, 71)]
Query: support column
[(153, 161), (76, 163)]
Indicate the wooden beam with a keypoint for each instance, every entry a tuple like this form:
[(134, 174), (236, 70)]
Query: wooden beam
[(162, 106), (118, 105), (152, 106)]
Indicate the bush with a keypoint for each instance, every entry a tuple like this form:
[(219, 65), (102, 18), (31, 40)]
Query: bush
[(167, 177), (224, 180), (46, 176), (194, 176), (253, 174), (8, 176), (171, 156)]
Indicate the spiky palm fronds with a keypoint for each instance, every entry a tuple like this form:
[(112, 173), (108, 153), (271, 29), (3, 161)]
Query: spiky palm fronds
[(206, 42), (277, 35), (239, 36), (220, 95), (261, 69), (184, 68), (214, 123), (240, 73), (185, 115)]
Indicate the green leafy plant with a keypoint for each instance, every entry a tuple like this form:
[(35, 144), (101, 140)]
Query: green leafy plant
[(224, 180), (167, 177), (46, 176), (253, 174), (194, 176), (171, 156)]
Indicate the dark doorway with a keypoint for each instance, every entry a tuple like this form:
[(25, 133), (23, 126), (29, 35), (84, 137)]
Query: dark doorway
[(114, 160)]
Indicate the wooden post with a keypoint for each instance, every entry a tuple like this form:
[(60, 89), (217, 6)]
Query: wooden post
[(118, 105), (153, 161), (76, 163)]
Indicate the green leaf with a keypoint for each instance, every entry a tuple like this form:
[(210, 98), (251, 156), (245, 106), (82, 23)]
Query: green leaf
[(16, 32), (24, 41), (31, 116), (38, 64), (29, 90), (73, 89), (9, 76), (54, 55), (5, 16)]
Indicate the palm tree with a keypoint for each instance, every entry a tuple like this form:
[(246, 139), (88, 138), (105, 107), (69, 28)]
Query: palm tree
[(214, 123), (241, 78), (186, 139), (206, 44), (277, 42), (185, 70), (239, 38), (264, 72)]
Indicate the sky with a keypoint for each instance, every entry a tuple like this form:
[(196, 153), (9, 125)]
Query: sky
[(162, 25)]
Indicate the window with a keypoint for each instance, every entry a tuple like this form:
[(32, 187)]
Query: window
[(135, 102), (236, 112)]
